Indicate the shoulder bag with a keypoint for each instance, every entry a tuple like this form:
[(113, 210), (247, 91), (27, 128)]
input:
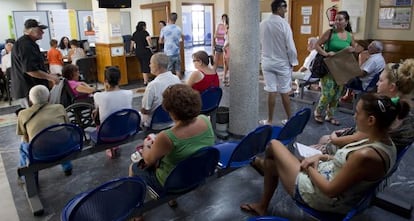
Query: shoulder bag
[(318, 67)]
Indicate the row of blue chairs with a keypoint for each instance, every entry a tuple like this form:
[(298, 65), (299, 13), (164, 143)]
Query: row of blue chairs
[(187, 175), (63, 142), (114, 201)]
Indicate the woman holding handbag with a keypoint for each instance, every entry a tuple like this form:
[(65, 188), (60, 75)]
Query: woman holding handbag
[(335, 40)]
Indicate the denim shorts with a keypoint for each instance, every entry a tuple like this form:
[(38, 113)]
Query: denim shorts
[(149, 176), (174, 63)]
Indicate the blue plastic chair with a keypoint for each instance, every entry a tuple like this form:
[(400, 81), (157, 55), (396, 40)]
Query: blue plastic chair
[(117, 127), (193, 171), (54, 143), (295, 125), (238, 154), (210, 98), (114, 200), (371, 86), (160, 116), (364, 203), (267, 218)]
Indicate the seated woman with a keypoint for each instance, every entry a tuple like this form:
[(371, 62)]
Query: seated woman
[(190, 133), (205, 76), (80, 89), (111, 100), (396, 82), (75, 52), (338, 182)]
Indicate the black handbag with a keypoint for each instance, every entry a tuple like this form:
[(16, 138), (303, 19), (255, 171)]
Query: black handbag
[(318, 67)]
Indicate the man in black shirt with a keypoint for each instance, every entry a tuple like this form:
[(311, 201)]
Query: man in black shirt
[(28, 66)]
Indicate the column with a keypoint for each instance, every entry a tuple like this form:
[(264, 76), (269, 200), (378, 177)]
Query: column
[(109, 43), (244, 65)]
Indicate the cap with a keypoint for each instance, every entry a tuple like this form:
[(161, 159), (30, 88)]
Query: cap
[(31, 23)]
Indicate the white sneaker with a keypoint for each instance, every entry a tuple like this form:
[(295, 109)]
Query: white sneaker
[(284, 121), (264, 122)]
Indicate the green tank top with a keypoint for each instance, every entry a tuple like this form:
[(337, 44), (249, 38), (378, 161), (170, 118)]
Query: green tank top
[(336, 44), (182, 148)]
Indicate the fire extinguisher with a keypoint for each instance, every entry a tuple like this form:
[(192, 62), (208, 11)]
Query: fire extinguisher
[(331, 13)]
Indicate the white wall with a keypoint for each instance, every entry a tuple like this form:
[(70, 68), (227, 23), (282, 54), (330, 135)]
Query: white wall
[(368, 22), (7, 6)]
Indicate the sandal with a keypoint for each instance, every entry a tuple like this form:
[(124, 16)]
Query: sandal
[(332, 121), (226, 81), (317, 117), (249, 208)]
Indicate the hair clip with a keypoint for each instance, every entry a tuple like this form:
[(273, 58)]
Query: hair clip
[(395, 100), (381, 106)]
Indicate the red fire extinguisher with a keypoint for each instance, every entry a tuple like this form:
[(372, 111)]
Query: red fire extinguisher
[(331, 13)]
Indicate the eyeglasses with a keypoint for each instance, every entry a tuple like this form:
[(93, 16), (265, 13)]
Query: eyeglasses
[(195, 60)]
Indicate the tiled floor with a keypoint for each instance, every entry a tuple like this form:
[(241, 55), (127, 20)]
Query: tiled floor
[(218, 200)]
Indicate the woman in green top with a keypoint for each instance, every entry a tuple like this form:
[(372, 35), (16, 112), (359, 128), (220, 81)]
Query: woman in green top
[(341, 38), (191, 132)]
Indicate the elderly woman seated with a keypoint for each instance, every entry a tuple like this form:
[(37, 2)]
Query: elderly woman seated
[(79, 88), (190, 133), (335, 183)]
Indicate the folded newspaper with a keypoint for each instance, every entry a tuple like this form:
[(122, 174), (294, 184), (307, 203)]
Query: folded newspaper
[(303, 151)]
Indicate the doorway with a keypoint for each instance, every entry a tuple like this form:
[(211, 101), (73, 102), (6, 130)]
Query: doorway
[(197, 24), (306, 20)]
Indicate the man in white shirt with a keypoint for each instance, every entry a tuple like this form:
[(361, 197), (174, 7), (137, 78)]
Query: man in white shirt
[(153, 92), (278, 58), (372, 66)]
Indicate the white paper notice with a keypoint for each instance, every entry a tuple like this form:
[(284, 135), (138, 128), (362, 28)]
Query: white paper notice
[(116, 30), (306, 10), (306, 20), (306, 29), (303, 151)]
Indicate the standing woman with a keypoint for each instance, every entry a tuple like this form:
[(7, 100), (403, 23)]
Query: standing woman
[(64, 47), (219, 39), (142, 41), (226, 57), (341, 38)]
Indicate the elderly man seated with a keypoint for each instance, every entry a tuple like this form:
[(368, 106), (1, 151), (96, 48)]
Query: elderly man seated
[(153, 92), (372, 66), (34, 119)]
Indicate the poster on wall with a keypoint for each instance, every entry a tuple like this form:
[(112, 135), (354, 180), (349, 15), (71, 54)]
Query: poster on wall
[(394, 18), (86, 25)]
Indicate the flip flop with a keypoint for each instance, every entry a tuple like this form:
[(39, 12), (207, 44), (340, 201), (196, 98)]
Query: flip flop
[(317, 117), (255, 167), (249, 209), (332, 121)]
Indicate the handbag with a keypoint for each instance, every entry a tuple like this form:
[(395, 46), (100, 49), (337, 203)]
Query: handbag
[(318, 67)]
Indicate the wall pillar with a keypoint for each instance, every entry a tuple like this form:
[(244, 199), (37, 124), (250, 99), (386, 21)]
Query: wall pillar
[(244, 65)]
